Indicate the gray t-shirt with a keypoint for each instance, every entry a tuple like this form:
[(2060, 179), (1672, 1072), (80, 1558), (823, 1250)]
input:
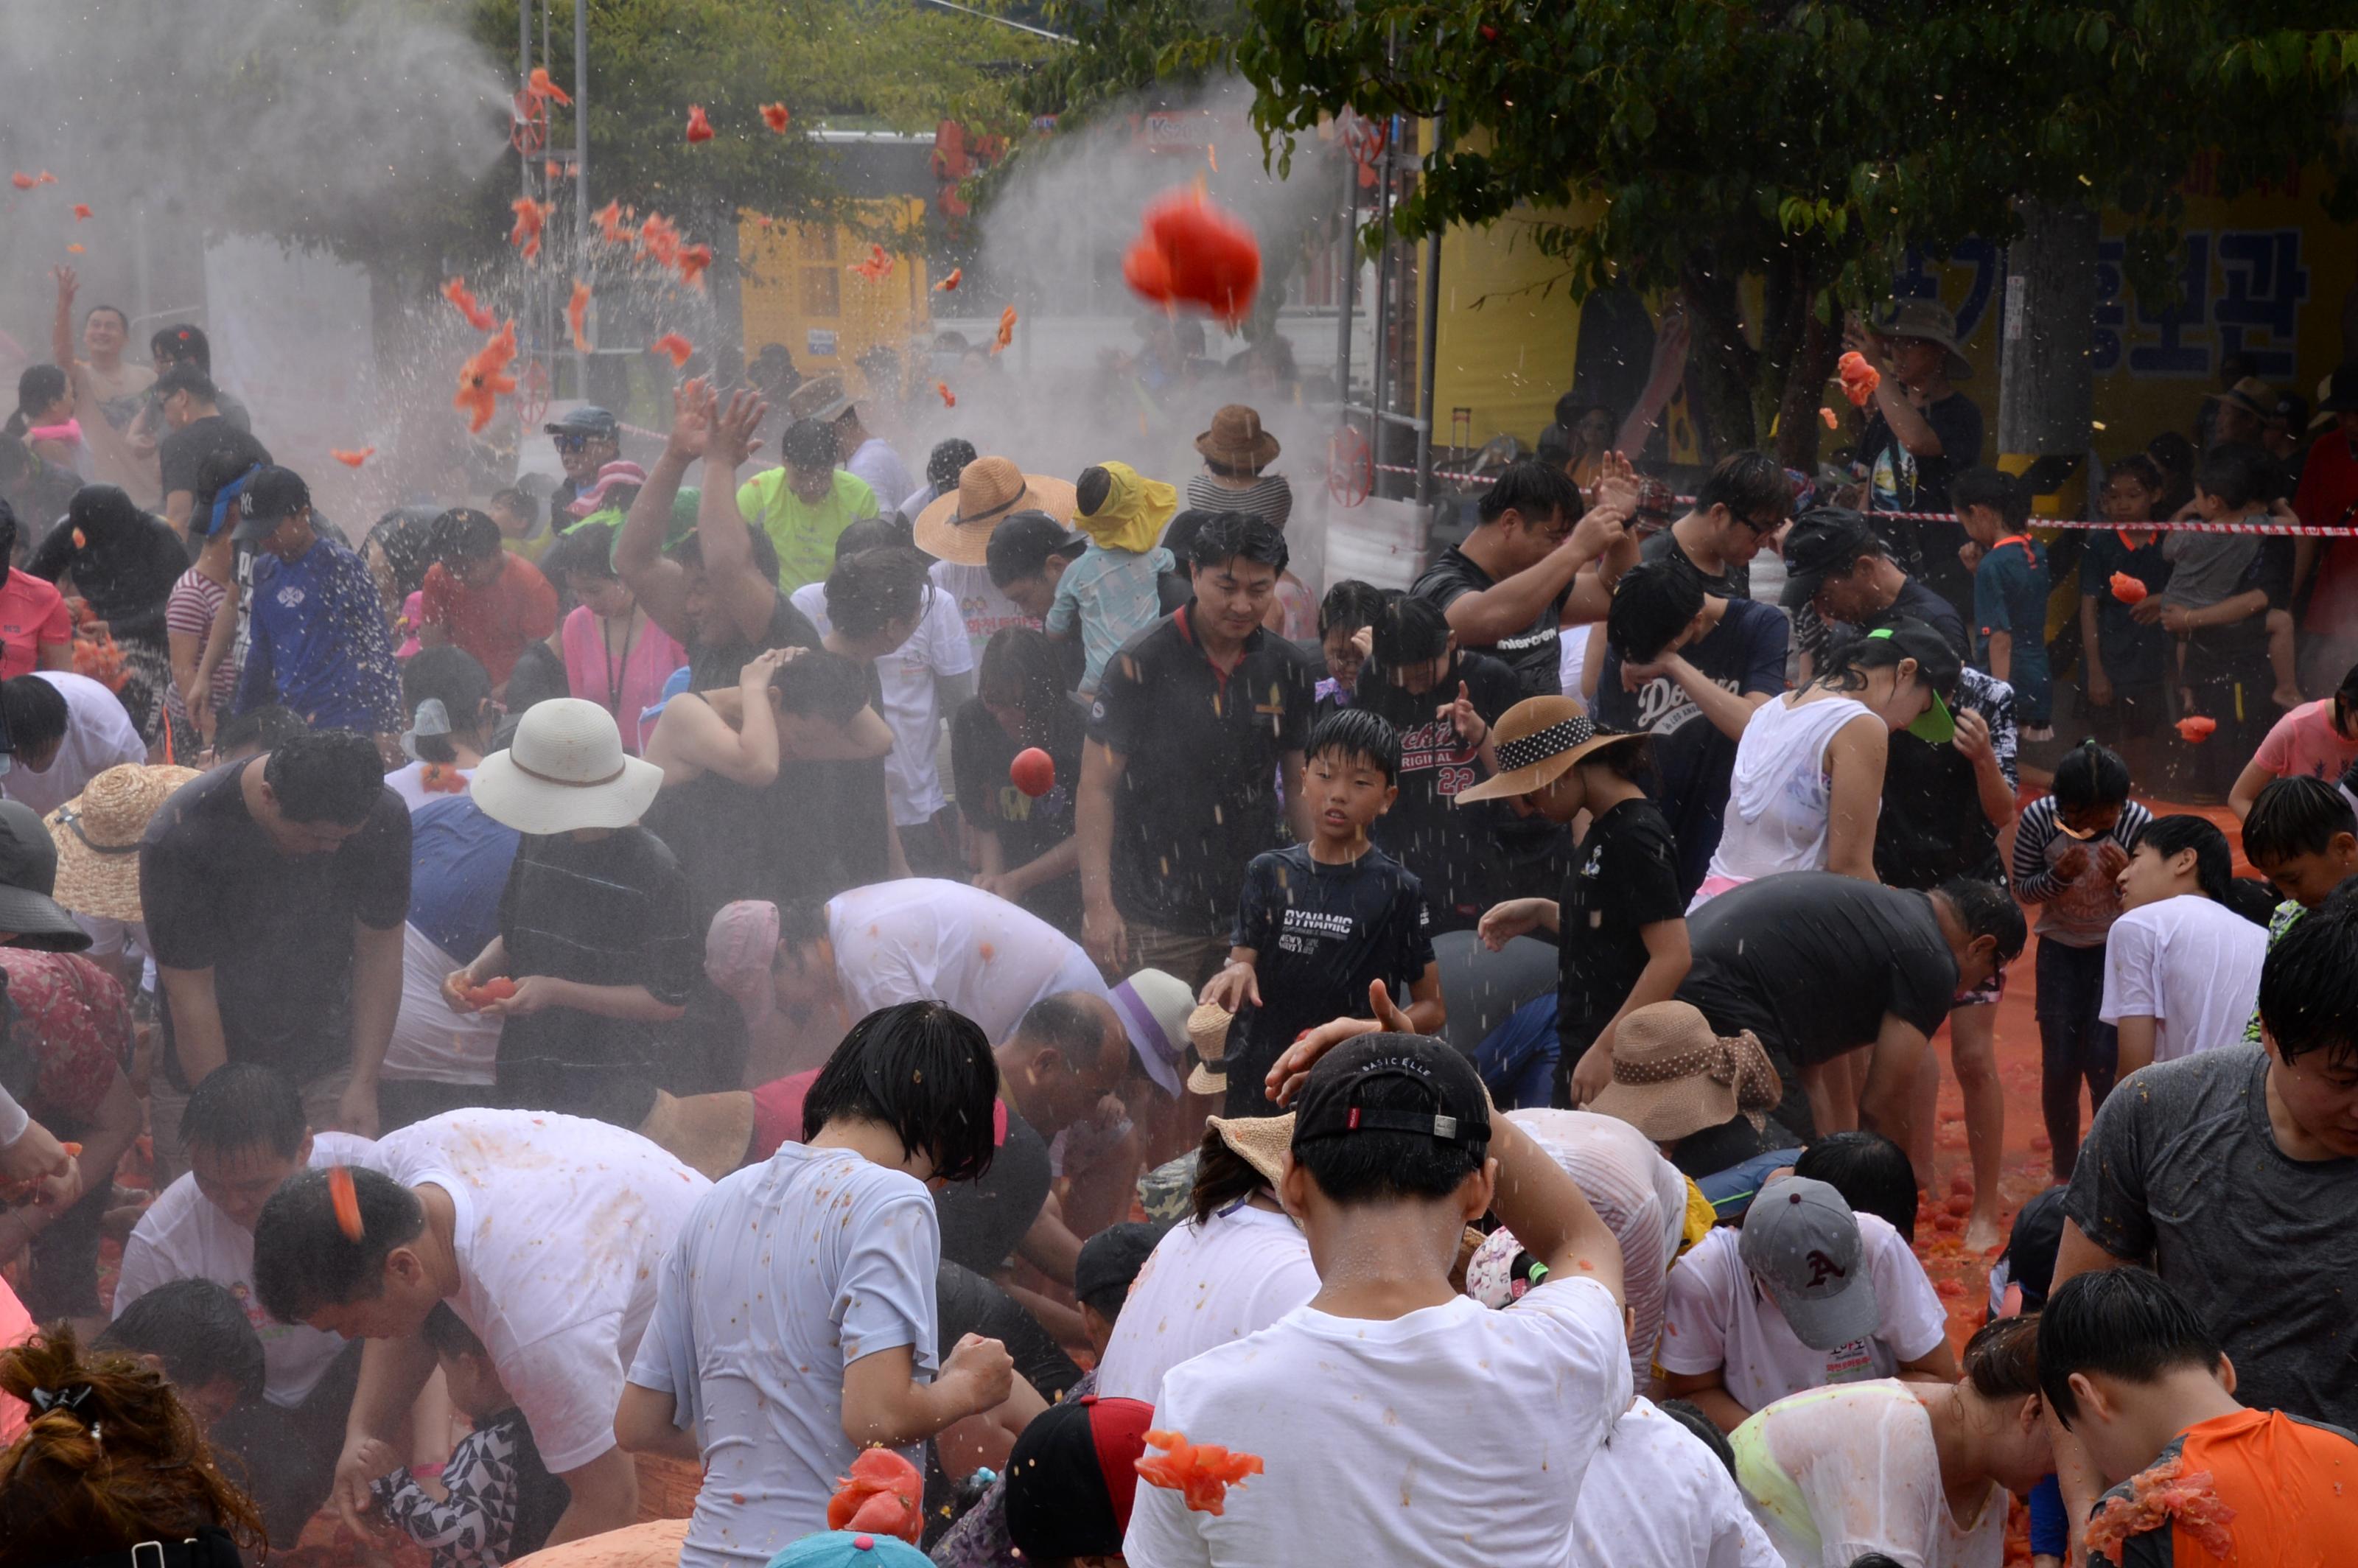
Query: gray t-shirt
[(2181, 1169), (785, 1273), (2206, 567)]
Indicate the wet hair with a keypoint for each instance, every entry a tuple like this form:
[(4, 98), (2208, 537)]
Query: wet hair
[(183, 345), (267, 729), (151, 1475), (1852, 654), (2239, 474), (1108, 1301), (1376, 1165), (37, 388), (1223, 1178), (1023, 545), (2214, 867), (1021, 665), (2143, 469), (244, 1105), (1357, 734), (197, 1329), (590, 552), (2001, 1360), (187, 377), (921, 1070), (2124, 1322), (1653, 603), (7, 536), (867, 592), (516, 500), (326, 775), (808, 444), (878, 533), (302, 1260), (2001, 493), (35, 711), (2089, 775), (459, 680), (1409, 629), (1872, 1174), (115, 311), (1748, 483), (1988, 910), (2345, 705), (463, 533), (947, 461), (450, 1336), (1179, 534), (690, 552), (1350, 605), (2309, 984), (1063, 1022), (1533, 490), (1090, 491), (2296, 815), (817, 684), (1228, 536), (1702, 1428)]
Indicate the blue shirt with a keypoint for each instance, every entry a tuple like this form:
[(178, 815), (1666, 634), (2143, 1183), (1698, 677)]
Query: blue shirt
[(459, 860), (1114, 594), (2010, 589), (318, 644)]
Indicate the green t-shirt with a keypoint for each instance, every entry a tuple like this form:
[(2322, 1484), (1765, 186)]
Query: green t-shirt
[(804, 534)]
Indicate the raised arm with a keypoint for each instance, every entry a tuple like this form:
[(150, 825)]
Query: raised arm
[(661, 584), (748, 594)]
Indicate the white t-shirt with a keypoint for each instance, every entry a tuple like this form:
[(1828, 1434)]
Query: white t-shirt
[(753, 1350), (1835, 1473), (562, 1227), (409, 783), (99, 736), (881, 467), (985, 609), (936, 649), (1204, 1286), (1656, 1498), (429, 1040), (921, 936), (183, 1237), (1719, 1319), (1455, 1434), (2190, 963)]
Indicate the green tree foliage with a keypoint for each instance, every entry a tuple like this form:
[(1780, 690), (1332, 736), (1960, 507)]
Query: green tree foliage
[(1702, 143)]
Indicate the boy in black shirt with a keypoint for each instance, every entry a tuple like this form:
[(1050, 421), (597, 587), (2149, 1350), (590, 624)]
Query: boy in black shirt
[(1320, 922), (1621, 923)]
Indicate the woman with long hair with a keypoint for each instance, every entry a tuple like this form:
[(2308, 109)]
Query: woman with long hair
[(110, 1458), (122, 563)]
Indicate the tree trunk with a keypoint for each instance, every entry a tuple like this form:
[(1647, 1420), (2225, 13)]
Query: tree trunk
[(1802, 390), (1726, 364)]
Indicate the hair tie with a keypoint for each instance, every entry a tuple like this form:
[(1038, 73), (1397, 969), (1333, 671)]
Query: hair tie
[(346, 1200), (69, 1398)]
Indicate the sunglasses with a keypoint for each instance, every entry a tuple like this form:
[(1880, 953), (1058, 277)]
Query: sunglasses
[(571, 443)]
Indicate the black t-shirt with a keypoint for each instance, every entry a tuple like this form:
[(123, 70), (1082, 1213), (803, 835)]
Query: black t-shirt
[(982, 751), (711, 665), (276, 930), (1693, 762), (605, 912), (1198, 797), (983, 1220), (1320, 934), (1933, 827), (965, 1302), (1736, 582), (1811, 962), (1913, 600), (181, 455), (1624, 876), (1533, 652), (1899, 480), (1453, 848)]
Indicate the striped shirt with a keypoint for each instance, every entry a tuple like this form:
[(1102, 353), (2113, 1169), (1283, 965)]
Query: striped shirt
[(2079, 913), (1270, 497)]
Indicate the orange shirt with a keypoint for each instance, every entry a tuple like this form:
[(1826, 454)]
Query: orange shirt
[(2293, 1485)]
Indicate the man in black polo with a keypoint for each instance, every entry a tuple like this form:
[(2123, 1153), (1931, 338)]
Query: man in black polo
[(1838, 568), (1196, 719)]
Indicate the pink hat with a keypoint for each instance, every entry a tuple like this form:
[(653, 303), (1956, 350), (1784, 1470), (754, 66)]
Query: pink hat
[(594, 497), (738, 952)]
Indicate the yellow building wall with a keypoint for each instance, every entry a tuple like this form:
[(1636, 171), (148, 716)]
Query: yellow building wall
[(800, 290)]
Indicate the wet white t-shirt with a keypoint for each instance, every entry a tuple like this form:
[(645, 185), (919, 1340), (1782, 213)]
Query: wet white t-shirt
[(2189, 962), (408, 781), (923, 936), (183, 1237), (1656, 1498), (936, 649), (1204, 1286), (1719, 1319), (1835, 1473), (1451, 1435), (562, 1227)]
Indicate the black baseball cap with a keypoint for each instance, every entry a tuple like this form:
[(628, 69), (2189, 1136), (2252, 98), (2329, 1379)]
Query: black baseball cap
[(271, 496), (586, 420), (1456, 1110), (1823, 541), (28, 873), (1111, 1260)]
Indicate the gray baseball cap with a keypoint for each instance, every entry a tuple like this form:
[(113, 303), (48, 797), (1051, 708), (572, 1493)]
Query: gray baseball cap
[(1801, 1242)]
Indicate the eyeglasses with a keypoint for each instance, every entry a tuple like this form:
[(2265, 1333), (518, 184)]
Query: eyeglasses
[(571, 443)]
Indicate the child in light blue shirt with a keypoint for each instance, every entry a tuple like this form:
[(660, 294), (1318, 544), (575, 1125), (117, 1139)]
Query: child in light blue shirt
[(1110, 592)]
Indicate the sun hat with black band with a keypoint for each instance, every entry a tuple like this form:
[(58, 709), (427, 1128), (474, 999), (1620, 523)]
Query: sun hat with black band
[(957, 527), (565, 771), (1153, 1008), (1330, 1103), (28, 871), (1539, 739)]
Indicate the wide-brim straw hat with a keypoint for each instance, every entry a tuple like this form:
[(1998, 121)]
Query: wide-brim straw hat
[(565, 770), (1207, 1030), (708, 1133), (957, 526), (1264, 1142), (1539, 739), (1673, 1077), (1236, 441), (97, 834)]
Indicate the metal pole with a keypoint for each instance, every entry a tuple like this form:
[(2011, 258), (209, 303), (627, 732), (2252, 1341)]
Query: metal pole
[(581, 168), (1379, 374), (524, 76), (1431, 342), (1347, 293)]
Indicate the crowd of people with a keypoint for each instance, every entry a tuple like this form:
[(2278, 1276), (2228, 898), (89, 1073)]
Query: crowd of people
[(771, 1015)]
